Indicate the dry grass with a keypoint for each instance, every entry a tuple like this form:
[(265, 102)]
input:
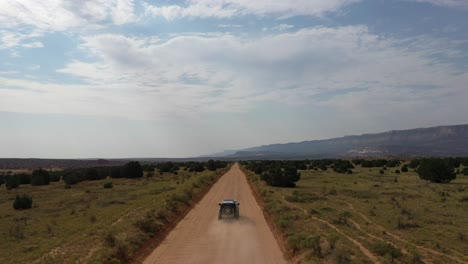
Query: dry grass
[(399, 212), (85, 223)]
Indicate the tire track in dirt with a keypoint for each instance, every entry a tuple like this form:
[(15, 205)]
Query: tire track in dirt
[(201, 238), (396, 237), (363, 249)]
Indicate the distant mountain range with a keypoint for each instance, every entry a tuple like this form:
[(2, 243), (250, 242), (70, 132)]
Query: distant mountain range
[(442, 141), (433, 141)]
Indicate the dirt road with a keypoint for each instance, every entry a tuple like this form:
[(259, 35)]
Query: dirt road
[(201, 238)]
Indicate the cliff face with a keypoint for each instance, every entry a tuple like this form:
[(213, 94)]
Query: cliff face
[(434, 141)]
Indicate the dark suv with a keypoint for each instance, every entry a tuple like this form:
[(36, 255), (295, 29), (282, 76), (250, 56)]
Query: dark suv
[(228, 208)]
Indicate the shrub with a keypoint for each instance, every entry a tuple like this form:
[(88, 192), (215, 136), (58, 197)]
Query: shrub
[(381, 172), (213, 165), (71, 177), (343, 218), (342, 166), (281, 177), (373, 163), (167, 167), (149, 224), (12, 182), (116, 172), (24, 178), (465, 171), (386, 249), (55, 176), (121, 251), (313, 243), (332, 239), (393, 163), (293, 243), (436, 170), (132, 169), (108, 185), (92, 174), (22, 202), (40, 177), (397, 171), (343, 256), (404, 168), (196, 167)]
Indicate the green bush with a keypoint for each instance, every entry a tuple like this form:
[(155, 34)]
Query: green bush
[(108, 185), (293, 242), (71, 177), (24, 178), (386, 249), (281, 177), (149, 224), (436, 170), (465, 171), (404, 168), (22, 202), (56, 176), (40, 177), (132, 169), (313, 243), (12, 182), (343, 218)]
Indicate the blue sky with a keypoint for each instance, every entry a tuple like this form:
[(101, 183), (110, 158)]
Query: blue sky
[(123, 78)]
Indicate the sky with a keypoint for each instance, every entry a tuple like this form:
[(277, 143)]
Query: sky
[(125, 78)]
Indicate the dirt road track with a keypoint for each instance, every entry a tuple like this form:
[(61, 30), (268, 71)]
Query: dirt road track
[(201, 238)]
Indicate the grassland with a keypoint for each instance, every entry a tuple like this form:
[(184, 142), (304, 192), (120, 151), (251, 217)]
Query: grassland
[(88, 223), (368, 217)]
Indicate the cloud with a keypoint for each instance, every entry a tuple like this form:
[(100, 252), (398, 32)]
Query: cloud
[(446, 3), (61, 15), (229, 26), (11, 39), (283, 27), (36, 44), (230, 8), (346, 69)]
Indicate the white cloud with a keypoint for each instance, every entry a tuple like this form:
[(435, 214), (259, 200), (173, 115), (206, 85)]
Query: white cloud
[(60, 15), (123, 12), (346, 68), (35, 44), (283, 27), (229, 26), (446, 3), (230, 8), (8, 40), (11, 39)]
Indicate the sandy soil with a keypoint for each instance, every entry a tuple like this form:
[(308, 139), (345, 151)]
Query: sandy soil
[(201, 238)]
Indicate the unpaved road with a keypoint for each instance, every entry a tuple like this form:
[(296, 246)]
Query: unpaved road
[(201, 238)]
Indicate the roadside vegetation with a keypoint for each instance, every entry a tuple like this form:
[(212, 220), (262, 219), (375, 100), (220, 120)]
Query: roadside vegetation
[(96, 215), (367, 211)]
